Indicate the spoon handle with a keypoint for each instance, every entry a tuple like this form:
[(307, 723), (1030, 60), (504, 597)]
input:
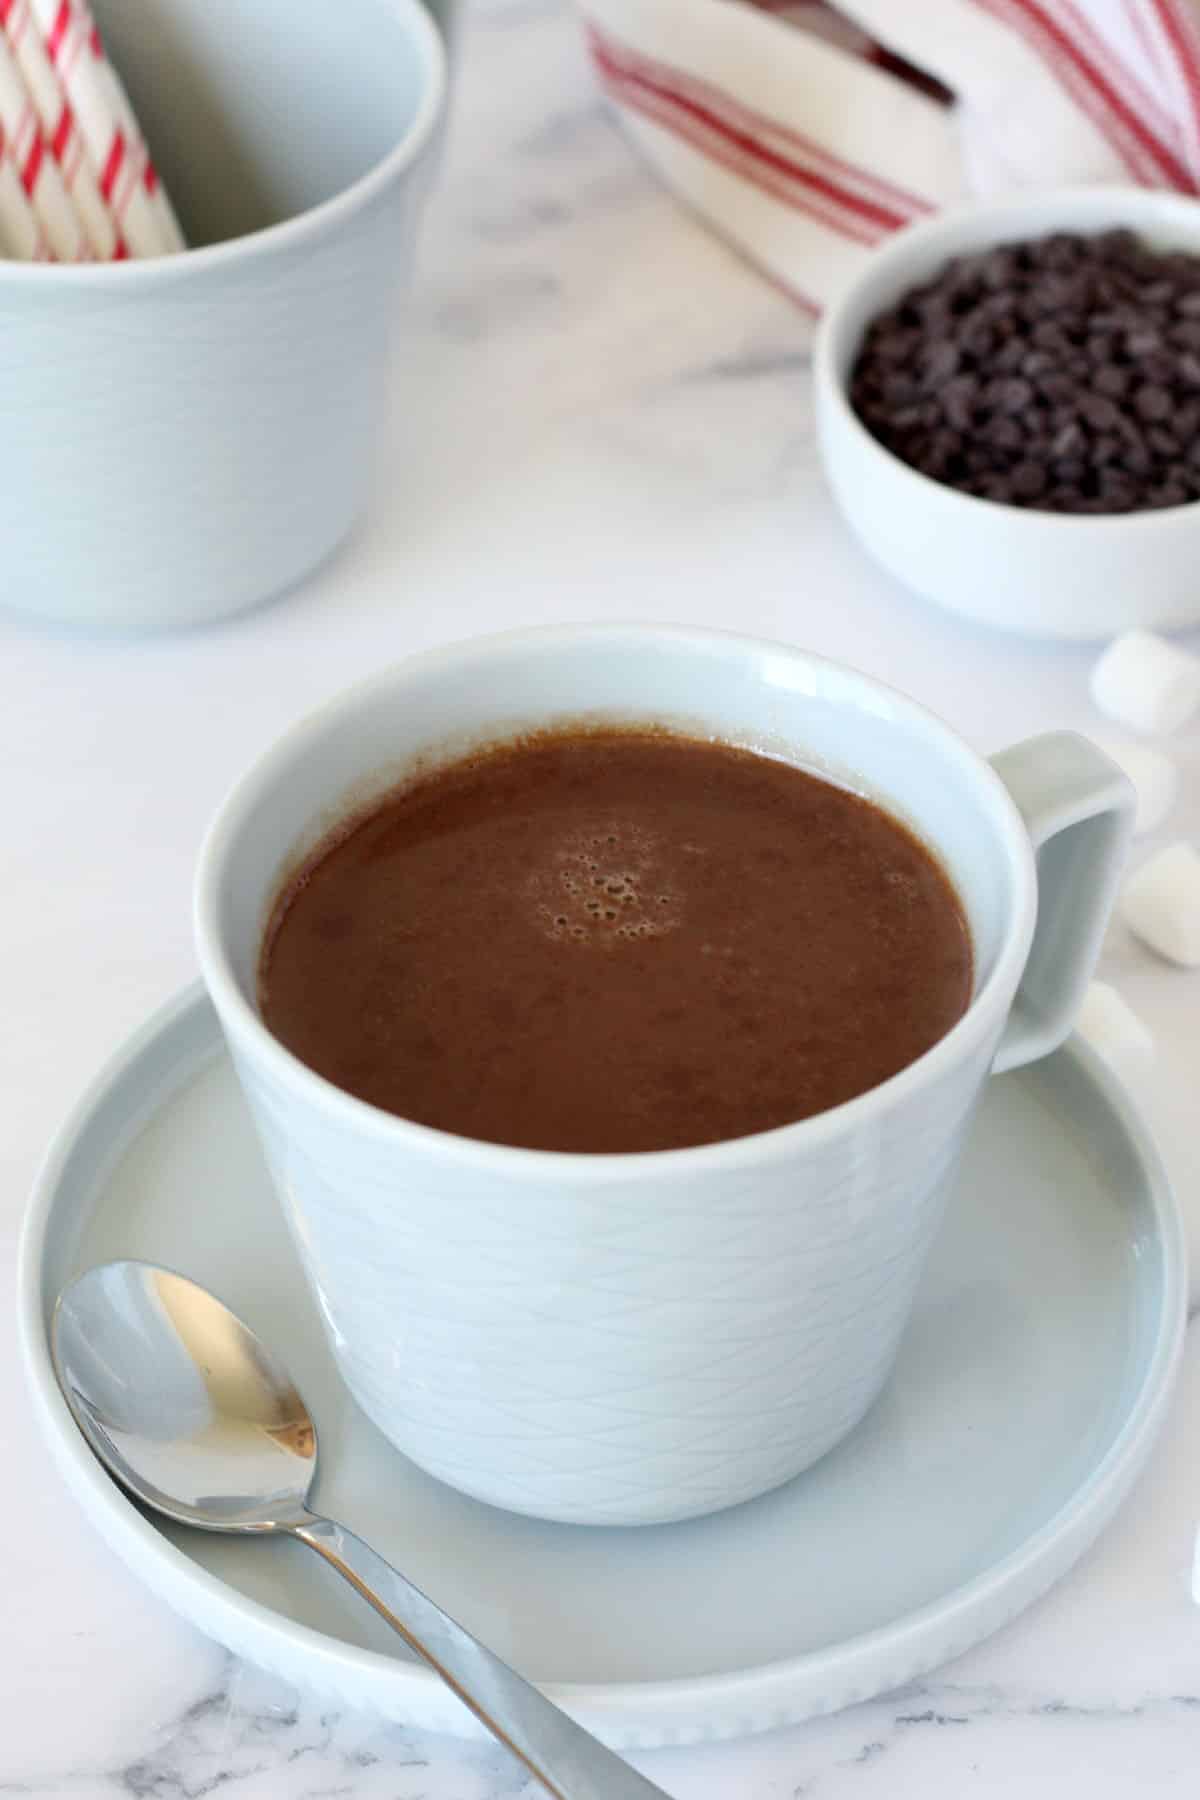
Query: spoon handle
[(568, 1760)]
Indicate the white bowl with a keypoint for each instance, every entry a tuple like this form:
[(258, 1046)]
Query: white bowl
[(1047, 574)]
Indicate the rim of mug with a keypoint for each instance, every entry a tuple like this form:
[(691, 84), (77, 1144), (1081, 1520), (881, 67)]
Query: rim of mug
[(238, 1015), (287, 233)]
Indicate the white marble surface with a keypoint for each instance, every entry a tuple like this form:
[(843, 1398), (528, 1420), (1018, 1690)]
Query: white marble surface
[(599, 413)]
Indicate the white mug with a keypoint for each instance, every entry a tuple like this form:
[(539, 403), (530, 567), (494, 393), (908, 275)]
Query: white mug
[(189, 435), (620, 1339)]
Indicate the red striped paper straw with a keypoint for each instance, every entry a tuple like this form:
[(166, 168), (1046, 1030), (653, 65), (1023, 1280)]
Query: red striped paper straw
[(60, 130), (138, 149), (118, 155), (41, 177), (21, 237)]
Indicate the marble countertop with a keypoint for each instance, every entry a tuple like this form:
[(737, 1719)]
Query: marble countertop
[(597, 412)]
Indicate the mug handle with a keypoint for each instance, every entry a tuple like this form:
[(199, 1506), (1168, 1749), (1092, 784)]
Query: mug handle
[(1078, 809)]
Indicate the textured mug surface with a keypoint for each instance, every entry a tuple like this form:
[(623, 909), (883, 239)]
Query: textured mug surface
[(187, 436), (632, 1338)]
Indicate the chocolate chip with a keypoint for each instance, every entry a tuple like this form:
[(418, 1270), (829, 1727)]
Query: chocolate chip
[(1153, 402), (977, 339), (894, 348), (959, 399), (1056, 386), (998, 270), (1111, 381), (1119, 489), (942, 361), (1028, 480), (1048, 334), (1098, 412), (1003, 433), (1016, 396), (899, 390), (1066, 441)]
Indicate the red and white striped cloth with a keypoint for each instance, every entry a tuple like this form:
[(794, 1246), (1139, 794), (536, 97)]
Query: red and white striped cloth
[(805, 132)]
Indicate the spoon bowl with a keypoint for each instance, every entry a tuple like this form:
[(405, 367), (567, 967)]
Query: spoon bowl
[(180, 1399)]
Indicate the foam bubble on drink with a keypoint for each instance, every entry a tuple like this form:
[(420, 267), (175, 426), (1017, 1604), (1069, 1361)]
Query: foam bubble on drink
[(1161, 904), (1146, 683), (1109, 1024), (1154, 776), (605, 884)]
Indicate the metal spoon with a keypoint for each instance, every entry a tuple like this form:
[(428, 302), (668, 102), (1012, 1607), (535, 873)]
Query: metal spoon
[(196, 1418)]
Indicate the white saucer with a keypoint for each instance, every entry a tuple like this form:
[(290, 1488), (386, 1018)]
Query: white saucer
[(1030, 1387)]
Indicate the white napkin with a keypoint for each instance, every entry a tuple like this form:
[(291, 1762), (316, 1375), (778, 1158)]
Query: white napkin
[(804, 132)]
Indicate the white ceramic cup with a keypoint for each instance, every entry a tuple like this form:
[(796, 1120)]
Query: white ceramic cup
[(629, 1338), (188, 436)]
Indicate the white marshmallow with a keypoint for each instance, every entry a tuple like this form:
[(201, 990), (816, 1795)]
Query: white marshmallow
[(1110, 1025), (1161, 904), (1146, 683), (1154, 776)]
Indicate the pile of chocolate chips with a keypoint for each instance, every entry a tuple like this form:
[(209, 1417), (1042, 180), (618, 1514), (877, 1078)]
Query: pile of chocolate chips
[(1061, 374)]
